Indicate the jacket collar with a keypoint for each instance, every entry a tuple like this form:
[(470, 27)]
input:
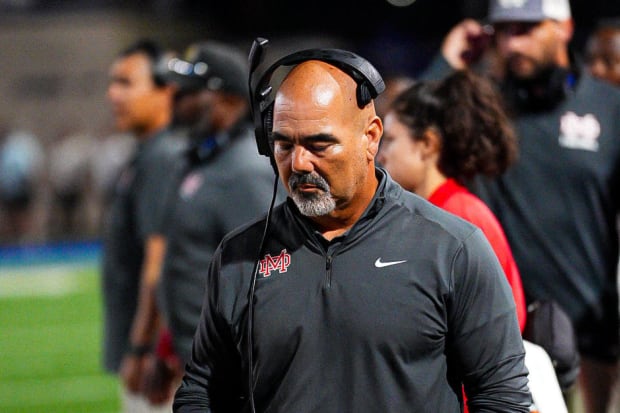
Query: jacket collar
[(386, 187)]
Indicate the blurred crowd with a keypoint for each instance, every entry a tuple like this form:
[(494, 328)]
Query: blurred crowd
[(57, 188), (56, 192)]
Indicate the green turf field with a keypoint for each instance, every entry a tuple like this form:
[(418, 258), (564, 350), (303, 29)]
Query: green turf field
[(50, 335)]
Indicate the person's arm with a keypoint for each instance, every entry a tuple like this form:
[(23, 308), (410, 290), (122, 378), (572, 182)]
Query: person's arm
[(213, 377), (146, 320), (484, 339), (514, 279), (163, 370), (462, 47), (156, 178)]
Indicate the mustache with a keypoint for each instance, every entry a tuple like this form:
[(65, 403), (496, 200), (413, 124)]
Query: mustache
[(310, 178)]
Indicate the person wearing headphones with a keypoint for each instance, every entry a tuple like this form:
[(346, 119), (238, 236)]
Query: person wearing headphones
[(141, 102), (220, 184), (354, 295), (558, 203)]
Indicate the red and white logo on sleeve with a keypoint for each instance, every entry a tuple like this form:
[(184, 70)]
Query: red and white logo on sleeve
[(278, 263)]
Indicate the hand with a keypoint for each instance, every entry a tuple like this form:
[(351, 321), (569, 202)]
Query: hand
[(465, 43), (131, 372), (160, 378)]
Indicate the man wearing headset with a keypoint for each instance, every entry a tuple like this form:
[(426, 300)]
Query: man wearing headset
[(366, 297), (558, 203)]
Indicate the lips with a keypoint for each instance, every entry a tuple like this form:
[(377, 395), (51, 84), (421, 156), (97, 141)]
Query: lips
[(307, 187)]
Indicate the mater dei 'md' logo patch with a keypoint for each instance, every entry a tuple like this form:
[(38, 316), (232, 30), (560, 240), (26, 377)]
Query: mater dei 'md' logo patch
[(579, 132), (278, 263)]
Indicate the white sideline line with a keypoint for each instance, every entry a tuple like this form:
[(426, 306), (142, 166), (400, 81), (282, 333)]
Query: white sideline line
[(44, 280)]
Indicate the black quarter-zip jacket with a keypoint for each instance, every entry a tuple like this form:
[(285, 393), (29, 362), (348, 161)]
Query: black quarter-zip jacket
[(393, 316)]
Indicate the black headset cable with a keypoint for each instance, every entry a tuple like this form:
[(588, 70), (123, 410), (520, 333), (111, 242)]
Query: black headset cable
[(252, 289)]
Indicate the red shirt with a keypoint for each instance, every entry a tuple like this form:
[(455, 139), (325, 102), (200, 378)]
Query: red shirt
[(458, 200)]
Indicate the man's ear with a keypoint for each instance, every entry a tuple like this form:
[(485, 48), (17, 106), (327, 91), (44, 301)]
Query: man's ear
[(374, 132)]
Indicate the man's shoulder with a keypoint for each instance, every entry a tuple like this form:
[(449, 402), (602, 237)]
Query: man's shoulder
[(241, 159), (166, 145), (244, 241), (424, 216), (591, 85), (595, 95)]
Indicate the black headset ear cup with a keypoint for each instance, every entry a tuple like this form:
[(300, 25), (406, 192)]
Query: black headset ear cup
[(268, 127), (364, 96), (263, 123), (159, 69)]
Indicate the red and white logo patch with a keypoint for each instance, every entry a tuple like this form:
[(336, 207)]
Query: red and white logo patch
[(278, 263)]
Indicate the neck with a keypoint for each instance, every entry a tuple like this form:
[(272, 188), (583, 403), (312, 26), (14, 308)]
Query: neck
[(433, 179), (146, 132)]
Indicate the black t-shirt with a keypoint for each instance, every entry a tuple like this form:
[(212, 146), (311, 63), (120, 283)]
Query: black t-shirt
[(135, 213)]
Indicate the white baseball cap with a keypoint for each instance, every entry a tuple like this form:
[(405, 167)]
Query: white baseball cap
[(528, 10)]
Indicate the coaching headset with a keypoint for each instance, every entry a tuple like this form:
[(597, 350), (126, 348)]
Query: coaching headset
[(368, 79), (369, 85)]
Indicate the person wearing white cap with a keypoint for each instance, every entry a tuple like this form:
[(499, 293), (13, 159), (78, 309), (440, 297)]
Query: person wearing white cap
[(558, 203)]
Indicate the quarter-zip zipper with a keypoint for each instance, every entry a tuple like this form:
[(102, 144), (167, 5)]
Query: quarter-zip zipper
[(328, 271)]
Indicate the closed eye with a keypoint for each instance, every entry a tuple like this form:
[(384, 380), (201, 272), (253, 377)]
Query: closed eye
[(314, 143)]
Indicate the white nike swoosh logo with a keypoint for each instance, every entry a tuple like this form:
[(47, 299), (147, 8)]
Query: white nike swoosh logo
[(380, 264)]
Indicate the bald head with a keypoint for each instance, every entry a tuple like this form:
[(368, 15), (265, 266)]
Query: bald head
[(324, 144), (322, 86)]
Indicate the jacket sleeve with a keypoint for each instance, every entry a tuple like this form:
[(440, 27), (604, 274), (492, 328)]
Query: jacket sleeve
[(212, 382), (438, 68), (484, 337)]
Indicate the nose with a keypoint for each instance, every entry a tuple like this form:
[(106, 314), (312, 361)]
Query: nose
[(509, 43), (301, 160), (112, 93)]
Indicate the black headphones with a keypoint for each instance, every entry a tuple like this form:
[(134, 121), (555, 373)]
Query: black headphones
[(369, 83), (161, 68)]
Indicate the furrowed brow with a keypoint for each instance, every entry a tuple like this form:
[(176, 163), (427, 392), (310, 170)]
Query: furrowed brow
[(320, 137)]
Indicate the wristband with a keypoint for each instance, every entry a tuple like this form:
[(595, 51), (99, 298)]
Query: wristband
[(139, 350)]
